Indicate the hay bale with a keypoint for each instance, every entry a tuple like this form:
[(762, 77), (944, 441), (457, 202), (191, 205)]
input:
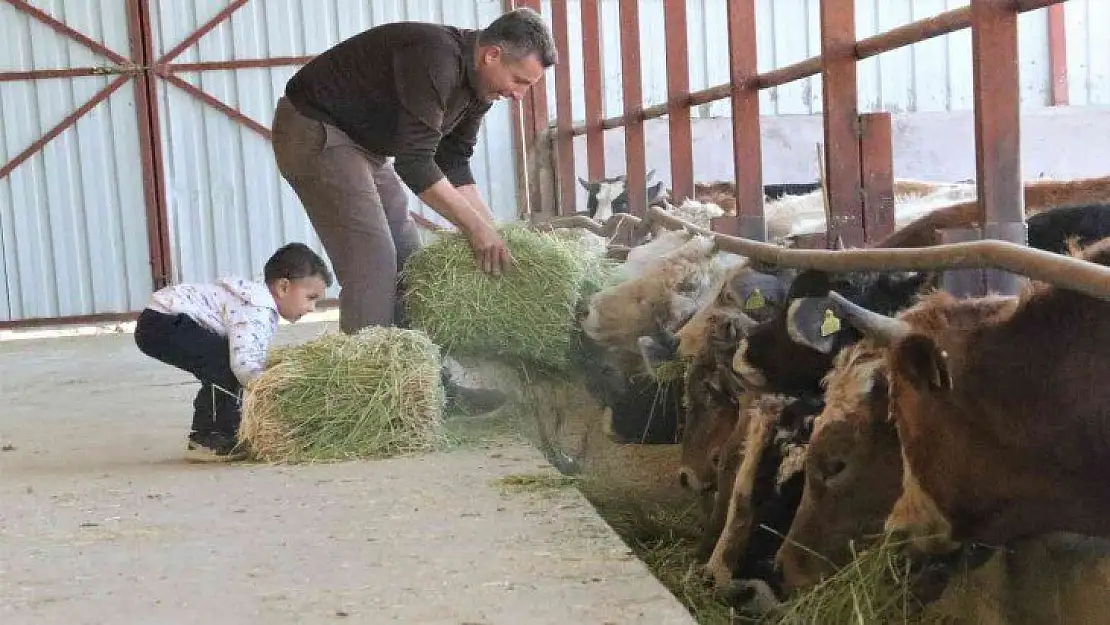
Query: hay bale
[(375, 394), (526, 314)]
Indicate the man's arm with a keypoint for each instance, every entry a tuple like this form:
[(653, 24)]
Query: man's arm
[(422, 90), (453, 157), (474, 198)]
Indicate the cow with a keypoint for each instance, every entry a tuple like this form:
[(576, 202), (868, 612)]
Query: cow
[(661, 285), (765, 489), (668, 292), (853, 476), (994, 450), (609, 196), (606, 197), (772, 358), (853, 470), (713, 400)]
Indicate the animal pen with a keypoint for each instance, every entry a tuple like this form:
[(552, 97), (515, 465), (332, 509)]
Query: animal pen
[(858, 171)]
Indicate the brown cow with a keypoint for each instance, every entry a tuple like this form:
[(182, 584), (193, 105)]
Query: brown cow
[(853, 470), (853, 478), (996, 448), (1040, 195)]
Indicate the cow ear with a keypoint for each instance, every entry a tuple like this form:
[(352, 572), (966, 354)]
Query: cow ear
[(920, 361), (811, 321), (589, 187)]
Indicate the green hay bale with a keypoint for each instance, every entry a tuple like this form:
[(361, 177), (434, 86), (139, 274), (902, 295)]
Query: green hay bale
[(599, 271), (375, 394), (875, 588), (526, 314)]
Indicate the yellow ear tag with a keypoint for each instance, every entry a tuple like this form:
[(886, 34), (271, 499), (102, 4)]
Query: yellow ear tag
[(755, 301), (830, 324)]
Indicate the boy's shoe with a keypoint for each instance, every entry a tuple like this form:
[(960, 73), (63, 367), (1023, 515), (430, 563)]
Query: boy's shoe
[(213, 447)]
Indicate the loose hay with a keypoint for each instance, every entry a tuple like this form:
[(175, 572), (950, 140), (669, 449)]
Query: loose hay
[(526, 314), (375, 394), (665, 536), (875, 588)]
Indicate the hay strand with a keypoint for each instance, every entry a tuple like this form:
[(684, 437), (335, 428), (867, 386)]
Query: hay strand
[(375, 394)]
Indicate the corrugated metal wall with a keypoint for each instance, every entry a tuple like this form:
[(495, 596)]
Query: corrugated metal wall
[(1088, 23), (930, 76), (72, 219), (229, 208)]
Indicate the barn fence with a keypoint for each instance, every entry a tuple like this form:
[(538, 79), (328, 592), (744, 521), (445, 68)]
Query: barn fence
[(858, 170)]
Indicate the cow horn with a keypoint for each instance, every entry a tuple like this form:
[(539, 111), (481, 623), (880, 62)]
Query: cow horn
[(880, 328)]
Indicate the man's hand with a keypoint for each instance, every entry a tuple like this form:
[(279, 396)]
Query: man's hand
[(490, 251)]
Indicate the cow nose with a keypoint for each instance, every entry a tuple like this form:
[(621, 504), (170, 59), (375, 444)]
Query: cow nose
[(689, 480)]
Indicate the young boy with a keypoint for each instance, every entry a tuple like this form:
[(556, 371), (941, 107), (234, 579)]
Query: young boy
[(221, 334)]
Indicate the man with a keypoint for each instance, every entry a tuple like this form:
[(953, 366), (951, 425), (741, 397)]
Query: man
[(418, 93)]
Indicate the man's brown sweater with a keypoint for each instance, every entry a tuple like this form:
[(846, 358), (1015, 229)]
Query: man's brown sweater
[(406, 89)]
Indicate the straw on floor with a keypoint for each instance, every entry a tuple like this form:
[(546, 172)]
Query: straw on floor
[(526, 314), (375, 394)]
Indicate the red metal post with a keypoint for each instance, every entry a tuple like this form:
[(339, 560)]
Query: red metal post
[(877, 165), (1058, 54), (150, 140), (678, 115), (591, 66), (747, 150), (841, 118), (994, 41), (564, 115), (635, 159)]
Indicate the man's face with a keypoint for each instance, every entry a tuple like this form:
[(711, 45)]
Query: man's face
[(505, 77)]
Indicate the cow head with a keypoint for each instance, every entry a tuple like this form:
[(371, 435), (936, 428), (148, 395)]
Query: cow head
[(669, 291), (713, 397), (923, 348), (853, 471), (782, 356), (755, 296), (608, 196)]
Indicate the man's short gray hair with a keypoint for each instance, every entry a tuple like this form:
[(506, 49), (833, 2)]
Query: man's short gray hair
[(520, 33)]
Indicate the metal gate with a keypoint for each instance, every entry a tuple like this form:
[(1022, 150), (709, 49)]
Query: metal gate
[(160, 169)]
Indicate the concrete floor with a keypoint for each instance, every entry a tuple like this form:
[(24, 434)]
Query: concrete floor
[(101, 520)]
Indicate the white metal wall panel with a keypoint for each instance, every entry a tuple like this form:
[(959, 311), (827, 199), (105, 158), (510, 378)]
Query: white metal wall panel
[(1088, 50), (72, 218), (930, 76), (229, 208)]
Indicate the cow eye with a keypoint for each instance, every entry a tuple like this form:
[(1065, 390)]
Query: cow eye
[(832, 468)]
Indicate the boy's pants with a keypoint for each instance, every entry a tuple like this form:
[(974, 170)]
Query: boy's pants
[(179, 341), (359, 209)]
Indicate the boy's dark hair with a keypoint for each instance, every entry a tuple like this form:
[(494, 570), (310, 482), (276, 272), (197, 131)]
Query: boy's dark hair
[(294, 261), (520, 33)]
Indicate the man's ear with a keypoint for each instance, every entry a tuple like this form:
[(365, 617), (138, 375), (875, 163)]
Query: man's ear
[(920, 361)]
